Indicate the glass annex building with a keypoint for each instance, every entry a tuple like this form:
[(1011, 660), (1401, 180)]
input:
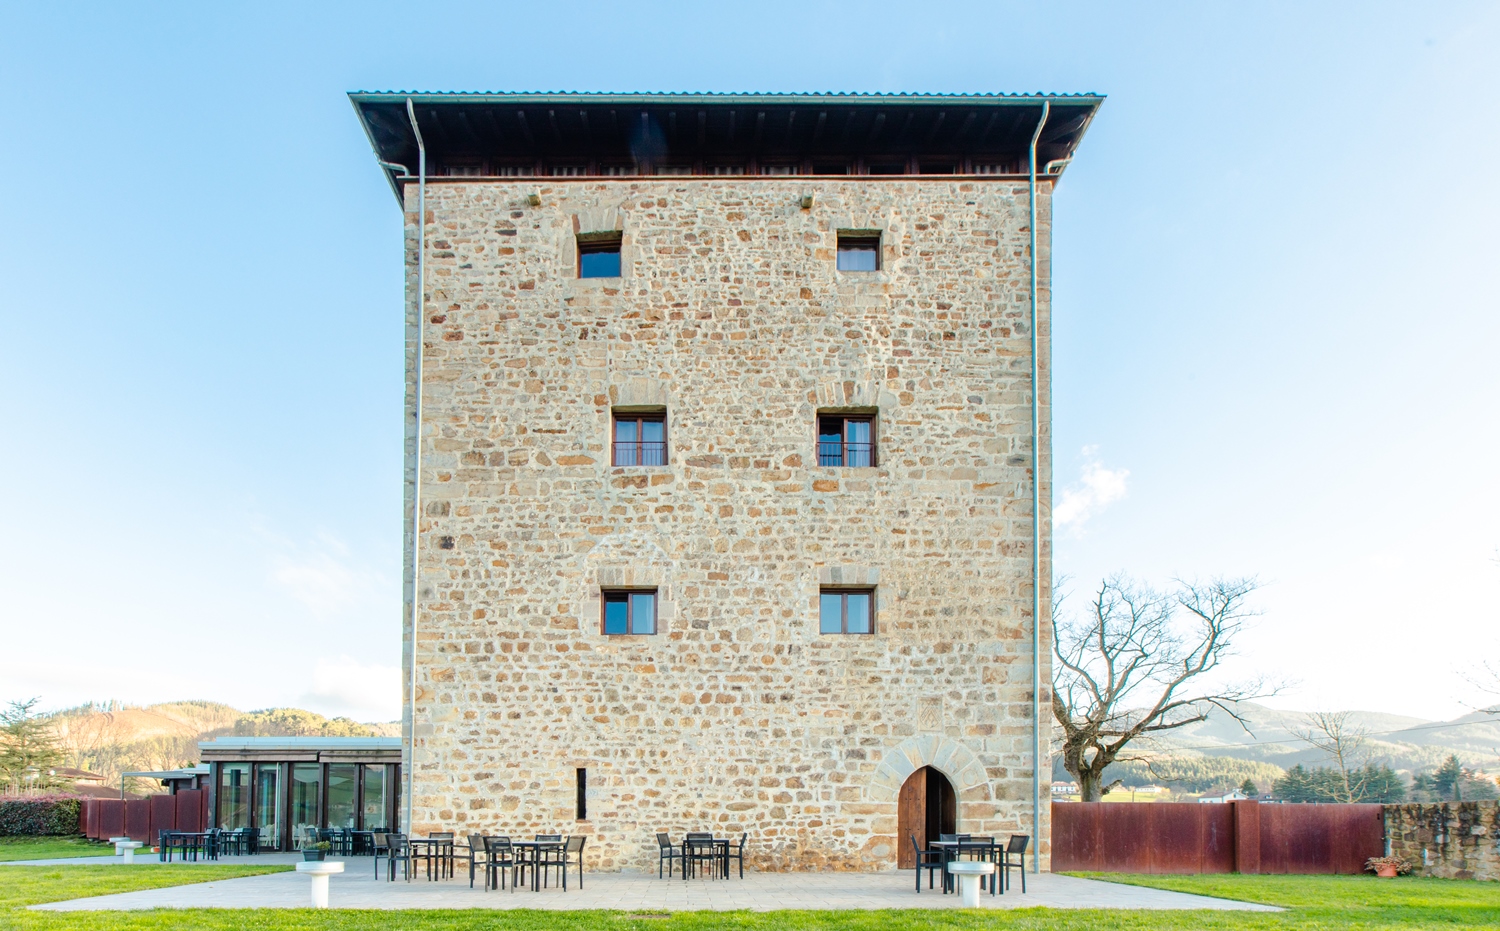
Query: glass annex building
[(289, 787)]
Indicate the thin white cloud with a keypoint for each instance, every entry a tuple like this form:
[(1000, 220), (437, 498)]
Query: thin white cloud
[(1095, 490), (322, 575), (345, 686)]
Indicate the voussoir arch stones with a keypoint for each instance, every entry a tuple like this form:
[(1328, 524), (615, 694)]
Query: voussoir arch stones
[(952, 758)]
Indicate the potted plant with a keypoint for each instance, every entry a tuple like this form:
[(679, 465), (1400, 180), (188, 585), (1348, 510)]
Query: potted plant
[(318, 851), (1388, 867)]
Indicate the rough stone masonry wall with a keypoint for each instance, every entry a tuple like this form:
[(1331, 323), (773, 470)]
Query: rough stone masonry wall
[(737, 716), (1451, 840)]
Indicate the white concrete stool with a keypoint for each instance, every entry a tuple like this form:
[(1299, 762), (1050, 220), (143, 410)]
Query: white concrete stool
[(320, 870), (971, 876), (125, 847)]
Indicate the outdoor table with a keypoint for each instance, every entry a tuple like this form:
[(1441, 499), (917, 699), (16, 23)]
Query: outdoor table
[(532, 851), (320, 870), (439, 851), (189, 840), (361, 842), (971, 874), (125, 847), (952, 850)]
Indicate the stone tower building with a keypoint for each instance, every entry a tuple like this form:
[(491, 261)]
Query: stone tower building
[(725, 460)]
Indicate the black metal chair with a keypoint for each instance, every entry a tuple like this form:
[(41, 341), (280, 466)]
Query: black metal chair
[(474, 856), (1016, 845), (666, 853), (933, 861), (699, 848), (378, 846), (397, 851), (734, 852), (572, 852), (549, 857), (499, 856)]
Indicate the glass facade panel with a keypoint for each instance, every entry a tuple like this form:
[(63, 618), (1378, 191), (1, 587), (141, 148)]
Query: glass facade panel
[(858, 605), (374, 808), (830, 613), (307, 786), (268, 805), (343, 792), (234, 796)]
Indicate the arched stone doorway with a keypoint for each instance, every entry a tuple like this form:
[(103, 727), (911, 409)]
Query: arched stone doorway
[(926, 806)]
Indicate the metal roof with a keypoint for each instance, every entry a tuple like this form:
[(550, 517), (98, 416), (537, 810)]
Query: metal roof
[(301, 743), (641, 130)]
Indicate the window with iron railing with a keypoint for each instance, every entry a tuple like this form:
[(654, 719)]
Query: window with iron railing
[(640, 439), (845, 440)]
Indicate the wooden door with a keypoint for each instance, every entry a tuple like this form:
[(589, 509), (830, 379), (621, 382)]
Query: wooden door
[(911, 818)]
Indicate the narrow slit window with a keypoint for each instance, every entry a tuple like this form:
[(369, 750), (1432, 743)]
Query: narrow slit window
[(846, 441), (640, 439), (582, 792), (846, 612), (631, 612), (859, 252), (599, 256)]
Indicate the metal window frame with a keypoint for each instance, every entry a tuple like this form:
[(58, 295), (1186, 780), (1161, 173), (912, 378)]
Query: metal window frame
[(864, 238), (595, 245), (844, 594), (604, 600), (640, 418), (846, 418)]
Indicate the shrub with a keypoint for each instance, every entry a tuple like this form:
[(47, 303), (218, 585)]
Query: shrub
[(39, 815)]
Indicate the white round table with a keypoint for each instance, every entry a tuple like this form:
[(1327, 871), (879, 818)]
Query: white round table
[(320, 870), (970, 875), (125, 847)]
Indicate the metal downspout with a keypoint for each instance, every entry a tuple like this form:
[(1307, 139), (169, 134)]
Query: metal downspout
[(1036, 531), (416, 478)]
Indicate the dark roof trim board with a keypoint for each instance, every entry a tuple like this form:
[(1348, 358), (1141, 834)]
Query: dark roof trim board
[(639, 133)]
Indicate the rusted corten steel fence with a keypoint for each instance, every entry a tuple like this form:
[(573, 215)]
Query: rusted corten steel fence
[(1238, 837), (145, 818)]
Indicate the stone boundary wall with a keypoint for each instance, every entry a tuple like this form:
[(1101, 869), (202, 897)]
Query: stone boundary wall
[(1448, 840)]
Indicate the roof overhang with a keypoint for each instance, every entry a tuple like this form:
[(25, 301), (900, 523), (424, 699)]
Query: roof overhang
[(647, 130)]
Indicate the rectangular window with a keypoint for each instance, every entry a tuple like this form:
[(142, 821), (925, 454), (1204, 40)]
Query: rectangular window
[(846, 612), (616, 171), (846, 440), (342, 793), (937, 167), (674, 170), (569, 171), (887, 168), (778, 170), (640, 439), (859, 252), (515, 171), (465, 171), (830, 168), (234, 796), (599, 255), (374, 797), (727, 170), (630, 612), (582, 791)]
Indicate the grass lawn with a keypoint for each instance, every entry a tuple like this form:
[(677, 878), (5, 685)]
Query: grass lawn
[(1314, 903), (48, 848)]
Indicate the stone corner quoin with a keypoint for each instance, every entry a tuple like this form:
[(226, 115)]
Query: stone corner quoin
[(731, 318)]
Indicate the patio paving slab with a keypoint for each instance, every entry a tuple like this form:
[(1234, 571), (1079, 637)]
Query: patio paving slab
[(638, 892)]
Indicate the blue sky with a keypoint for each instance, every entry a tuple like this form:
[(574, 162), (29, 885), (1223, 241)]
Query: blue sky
[(1275, 305)]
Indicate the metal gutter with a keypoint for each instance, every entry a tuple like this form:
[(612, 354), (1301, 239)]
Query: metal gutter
[(1036, 529), (650, 99), (416, 475)]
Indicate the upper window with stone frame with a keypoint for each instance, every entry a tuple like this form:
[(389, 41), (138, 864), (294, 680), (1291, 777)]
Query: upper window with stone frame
[(640, 438), (846, 439), (859, 251), (599, 255), (846, 611), (628, 612)]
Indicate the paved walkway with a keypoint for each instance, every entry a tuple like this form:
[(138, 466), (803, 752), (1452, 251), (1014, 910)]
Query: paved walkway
[(636, 892)]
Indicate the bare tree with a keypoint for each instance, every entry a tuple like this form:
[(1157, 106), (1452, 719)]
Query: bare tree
[(1126, 669), (1344, 743)]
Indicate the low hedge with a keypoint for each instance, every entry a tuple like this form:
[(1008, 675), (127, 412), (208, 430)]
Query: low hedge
[(39, 815)]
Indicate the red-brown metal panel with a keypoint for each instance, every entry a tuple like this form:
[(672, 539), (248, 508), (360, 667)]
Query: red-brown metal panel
[(163, 816), (112, 818), (86, 818), (1127, 836), (138, 819), (190, 803)]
